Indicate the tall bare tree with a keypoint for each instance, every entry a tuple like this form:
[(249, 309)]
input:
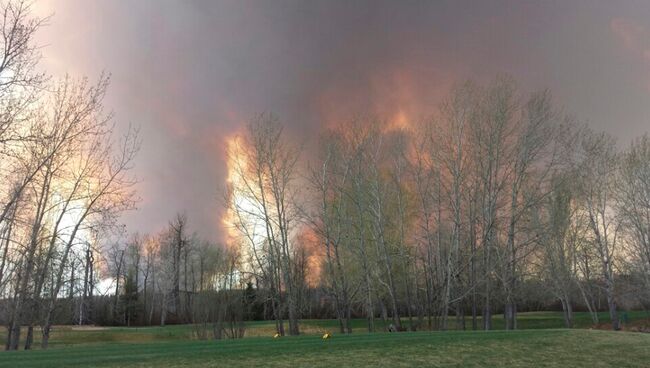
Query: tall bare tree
[(264, 201), (598, 181)]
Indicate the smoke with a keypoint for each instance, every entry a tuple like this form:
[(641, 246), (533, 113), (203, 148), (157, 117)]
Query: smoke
[(191, 74)]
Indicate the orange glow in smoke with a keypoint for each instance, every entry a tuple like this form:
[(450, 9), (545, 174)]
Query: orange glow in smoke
[(308, 243), (235, 165)]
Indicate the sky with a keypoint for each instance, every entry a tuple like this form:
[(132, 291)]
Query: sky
[(191, 74)]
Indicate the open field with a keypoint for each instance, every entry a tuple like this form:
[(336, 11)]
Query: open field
[(541, 342), (524, 348), (66, 336)]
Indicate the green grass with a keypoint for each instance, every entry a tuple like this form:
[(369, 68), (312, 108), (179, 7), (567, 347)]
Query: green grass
[(66, 336), (523, 348), (540, 342)]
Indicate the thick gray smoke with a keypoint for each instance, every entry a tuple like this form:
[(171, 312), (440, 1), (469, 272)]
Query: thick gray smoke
[(192, 73)]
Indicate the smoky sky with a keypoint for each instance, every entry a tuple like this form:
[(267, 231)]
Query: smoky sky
[(192, 73)]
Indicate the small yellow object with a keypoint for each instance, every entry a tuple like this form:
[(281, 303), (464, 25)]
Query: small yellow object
[(326, 336), (276, 335)]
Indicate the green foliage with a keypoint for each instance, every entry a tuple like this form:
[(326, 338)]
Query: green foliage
[(131, 307), (254, 307)]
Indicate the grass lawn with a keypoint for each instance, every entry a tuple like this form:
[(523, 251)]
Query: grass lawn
[(67, 336), (523, 348), (540, 342)]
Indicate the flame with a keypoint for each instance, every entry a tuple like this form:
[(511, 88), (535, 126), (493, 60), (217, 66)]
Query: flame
[(309, 242), (398, 96), (306, 242), (236, 165), (399, 121)]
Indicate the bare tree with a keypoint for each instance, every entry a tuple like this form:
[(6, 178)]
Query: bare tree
[(633, 205), (263, 200), (19, 80), (598, 180), (329, 181)]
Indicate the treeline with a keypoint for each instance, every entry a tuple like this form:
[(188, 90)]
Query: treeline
[(175, 277), (466, 214)]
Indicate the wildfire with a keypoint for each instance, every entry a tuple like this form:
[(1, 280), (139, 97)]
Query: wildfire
[(243, 219), (308, 243), (236, 165), (399, 121)]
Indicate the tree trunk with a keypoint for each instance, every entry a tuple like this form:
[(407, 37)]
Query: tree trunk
[(611, 304), (567, 312), (29, 339), (163, 310)]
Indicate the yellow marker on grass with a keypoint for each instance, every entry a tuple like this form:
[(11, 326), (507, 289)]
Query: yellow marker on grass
[(326, 336)]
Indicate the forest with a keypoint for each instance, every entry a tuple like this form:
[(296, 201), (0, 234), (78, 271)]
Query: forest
[(500, 202)]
